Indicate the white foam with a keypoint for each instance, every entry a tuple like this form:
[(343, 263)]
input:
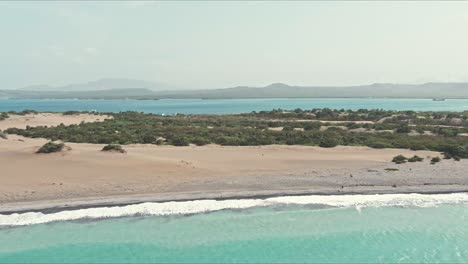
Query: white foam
[(201, 206)]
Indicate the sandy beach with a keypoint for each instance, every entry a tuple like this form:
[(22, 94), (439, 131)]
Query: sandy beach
[(83, 175), (48, 119)]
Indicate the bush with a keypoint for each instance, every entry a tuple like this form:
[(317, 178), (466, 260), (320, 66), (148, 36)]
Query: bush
[(328, 142), (51, 147), (435, 160), (27, 112), (454, 151), (149, 139), (229, 141), (199, 141), (403, 129), (379, 145), (415, 158), (3, 135), (114, 148), (312, 126), (3, 116), (399, 159), (71, 113), (180, 141)]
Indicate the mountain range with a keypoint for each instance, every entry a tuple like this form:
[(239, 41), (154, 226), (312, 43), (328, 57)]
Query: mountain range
[(114, 88)]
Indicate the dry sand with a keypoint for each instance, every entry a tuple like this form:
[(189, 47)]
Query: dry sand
[(48, 119), (84, 175)]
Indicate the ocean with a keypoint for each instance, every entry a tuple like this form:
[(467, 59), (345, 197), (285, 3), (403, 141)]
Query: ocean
[(391, 228), (228, 106)]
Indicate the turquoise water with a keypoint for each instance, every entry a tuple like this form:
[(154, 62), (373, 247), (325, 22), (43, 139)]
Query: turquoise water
[(286, 234), (227, 106)]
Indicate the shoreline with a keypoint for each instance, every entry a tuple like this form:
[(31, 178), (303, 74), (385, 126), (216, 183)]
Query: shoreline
[(53, 206)]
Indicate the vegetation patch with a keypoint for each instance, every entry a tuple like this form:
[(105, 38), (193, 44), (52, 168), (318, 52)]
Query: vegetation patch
[(71, 113), (399, 159), (24, 112), (391, 169), (254, 129), (415, 158), (435, 160), (51, 147), (114, 148), (3, 116)]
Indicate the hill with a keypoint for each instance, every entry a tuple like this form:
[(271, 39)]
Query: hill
[(280, 90), (111, 89)]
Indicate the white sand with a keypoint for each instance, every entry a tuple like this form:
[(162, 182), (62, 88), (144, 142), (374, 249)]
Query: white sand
[(48, 119)]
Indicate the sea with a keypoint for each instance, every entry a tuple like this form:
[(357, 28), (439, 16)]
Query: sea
[(229, 106), (389, 228)]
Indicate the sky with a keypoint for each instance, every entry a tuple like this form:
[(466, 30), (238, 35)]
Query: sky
[(196, 44)]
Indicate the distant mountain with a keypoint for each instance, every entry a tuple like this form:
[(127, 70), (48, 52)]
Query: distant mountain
[(378, 90), (110, 89), (102, 84)]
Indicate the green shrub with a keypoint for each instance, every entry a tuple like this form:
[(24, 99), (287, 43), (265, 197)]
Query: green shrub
[(435, 160), (149, 139), (51, 147), (415, 158), (404, 128), (199, 141), (379, 145), (26, 112), (3, 135), (399, 159), (3, 116), (328, 142), (114, 148), (71, 113), (312, 126), (229, 141), (180, 141), (454, 151)]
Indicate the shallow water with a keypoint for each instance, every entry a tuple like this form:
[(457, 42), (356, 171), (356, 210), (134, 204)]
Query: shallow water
[(227, 106), (409, 232)]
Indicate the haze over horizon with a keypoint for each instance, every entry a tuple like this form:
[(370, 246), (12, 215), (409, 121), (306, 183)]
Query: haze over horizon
[(205, 45)]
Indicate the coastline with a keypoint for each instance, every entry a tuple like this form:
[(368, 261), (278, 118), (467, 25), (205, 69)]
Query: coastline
[(53, 206)]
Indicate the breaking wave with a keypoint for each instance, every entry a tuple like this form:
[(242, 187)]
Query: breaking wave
[(203, 206)]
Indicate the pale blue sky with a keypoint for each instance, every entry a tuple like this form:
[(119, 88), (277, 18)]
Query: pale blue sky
[(222, 44)]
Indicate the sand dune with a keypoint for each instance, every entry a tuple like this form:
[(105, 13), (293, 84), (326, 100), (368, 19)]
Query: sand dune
[(84, 173), (48, 119)]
